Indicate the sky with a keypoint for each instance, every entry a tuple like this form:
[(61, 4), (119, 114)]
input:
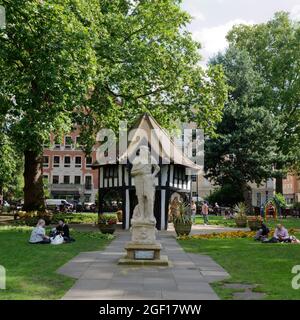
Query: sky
[(212, 19)]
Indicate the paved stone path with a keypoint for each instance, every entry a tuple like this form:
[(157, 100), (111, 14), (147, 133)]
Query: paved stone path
[(202, 229), (99, 276), (244, 291), (196, 229)]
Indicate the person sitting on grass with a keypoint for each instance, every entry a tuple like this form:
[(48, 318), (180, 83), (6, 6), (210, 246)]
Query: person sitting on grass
[(262, 233), (38, 234), (64, 230), (280, 235)]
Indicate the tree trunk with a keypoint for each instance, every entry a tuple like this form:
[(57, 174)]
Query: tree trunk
[(279, 185), (1, 195), (247, 194), (33, 182)]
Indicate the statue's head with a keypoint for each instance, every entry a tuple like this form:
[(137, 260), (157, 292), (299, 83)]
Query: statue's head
[(144, 150), (144, 154)]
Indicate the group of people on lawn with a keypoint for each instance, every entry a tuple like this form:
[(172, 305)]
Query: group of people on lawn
[(58, 235), (281, 234)]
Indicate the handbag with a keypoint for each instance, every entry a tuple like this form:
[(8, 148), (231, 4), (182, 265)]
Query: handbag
[(58, 239)]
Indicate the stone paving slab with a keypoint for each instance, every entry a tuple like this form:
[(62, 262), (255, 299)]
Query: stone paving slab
[(100, 277)]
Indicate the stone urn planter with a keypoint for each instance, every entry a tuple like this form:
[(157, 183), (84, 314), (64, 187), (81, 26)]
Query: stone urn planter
[(183, 229), (107, 228), (182, 221), (241, 222), (254, 222), (107, 223)]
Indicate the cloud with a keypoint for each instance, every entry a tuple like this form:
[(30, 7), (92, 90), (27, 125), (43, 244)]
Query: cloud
[(295, 12), (193, 8), (213, 39)]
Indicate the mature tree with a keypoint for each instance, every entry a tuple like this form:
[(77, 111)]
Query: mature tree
[(149, 63), (244, 150), (47, 64), (274, 48), (97, 62), (8, 163)]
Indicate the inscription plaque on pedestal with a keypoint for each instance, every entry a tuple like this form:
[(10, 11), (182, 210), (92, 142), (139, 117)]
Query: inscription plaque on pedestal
[(144, 254)]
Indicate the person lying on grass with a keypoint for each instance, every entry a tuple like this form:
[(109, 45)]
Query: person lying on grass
[(38, 234)]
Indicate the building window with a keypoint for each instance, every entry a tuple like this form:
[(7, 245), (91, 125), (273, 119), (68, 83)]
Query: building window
[(194, 134), (88, 183), (77, 162), (57, 142), (111, 172), (194, 153), (67, 162), (45, 178), (56, 161), (77, 180), (195, 194), (179, 173), (45, 161), (66, 179), (258, 198), (87, 198), (68, 142), (194, 178), (55, 179), (88, 162)]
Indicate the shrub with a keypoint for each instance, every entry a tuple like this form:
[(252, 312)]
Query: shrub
[(75, 218), (31, 218), (108, 219), (279, 200), (227, 195), (240, 210), (296, 205), (183, 216)]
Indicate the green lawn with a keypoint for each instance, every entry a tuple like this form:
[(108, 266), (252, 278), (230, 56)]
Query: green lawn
[(248, 261), (217, 220), (31, 269)]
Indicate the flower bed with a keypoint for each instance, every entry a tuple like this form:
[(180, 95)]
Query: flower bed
[(222, 235), (227, 235)]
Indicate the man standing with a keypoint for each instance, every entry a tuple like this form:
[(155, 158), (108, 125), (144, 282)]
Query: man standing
[(205, 212), (193, 211)]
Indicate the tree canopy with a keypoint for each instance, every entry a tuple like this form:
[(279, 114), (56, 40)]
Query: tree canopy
[(246, 146), (96, 62), (274, 49)]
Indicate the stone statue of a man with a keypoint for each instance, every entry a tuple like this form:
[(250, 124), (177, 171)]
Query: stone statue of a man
[(144, 181)]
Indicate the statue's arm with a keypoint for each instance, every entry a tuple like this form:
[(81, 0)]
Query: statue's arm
[(156, 169)]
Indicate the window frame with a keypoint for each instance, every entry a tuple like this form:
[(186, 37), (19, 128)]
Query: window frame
[(67, 165), (54, 176), (46, 164)]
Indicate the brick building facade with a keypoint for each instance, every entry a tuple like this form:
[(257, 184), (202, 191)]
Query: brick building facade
[(291, 189), (68, 170)]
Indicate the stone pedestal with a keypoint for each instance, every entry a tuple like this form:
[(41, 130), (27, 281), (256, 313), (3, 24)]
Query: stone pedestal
[(143, 249)]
